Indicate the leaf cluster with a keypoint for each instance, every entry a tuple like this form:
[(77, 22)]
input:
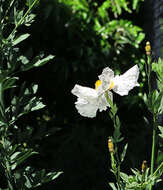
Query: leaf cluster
[(19, 101)]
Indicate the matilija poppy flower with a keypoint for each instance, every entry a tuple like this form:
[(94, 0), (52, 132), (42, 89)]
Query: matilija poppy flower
[(90, 100)]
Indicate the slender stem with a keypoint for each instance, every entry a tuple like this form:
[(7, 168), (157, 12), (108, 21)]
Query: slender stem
[(153, 143), (149, 72), (117, 157), (154, 116)]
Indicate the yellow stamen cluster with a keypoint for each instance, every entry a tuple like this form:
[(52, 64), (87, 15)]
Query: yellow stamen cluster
[(110, 145), (148, 48), (111, 86), (97, 84)]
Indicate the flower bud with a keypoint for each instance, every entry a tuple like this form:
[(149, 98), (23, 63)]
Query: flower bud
[(144, 166), (148, 48), (110, 145)]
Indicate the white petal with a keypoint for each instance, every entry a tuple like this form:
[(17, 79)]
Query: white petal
[(105, 77), (85, 108), (124, 83), (87, 102), (84, 92), (103, 104)]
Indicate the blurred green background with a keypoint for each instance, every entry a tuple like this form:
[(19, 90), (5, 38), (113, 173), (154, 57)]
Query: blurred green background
[(85, 36)]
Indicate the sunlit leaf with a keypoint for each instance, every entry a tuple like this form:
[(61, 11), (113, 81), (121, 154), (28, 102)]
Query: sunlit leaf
[(124, 152), (20, 39)]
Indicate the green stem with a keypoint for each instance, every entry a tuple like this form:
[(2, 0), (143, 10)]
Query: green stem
[(154, 116), (21, 20), (115, 170), (149, 72), (113, 112), (117, 157), (153, 143)]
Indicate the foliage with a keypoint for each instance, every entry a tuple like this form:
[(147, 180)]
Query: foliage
[(14, 103), (107, 33)]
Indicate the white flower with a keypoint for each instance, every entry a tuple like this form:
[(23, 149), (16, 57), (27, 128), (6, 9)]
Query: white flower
[(121, 84), (90, 100)]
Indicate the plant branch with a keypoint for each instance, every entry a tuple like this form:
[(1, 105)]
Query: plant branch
[(21, 20)]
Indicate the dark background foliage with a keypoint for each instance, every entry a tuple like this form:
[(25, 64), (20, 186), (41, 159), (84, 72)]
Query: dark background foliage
[(65, 140)]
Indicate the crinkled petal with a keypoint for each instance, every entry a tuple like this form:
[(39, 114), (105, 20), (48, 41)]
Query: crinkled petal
[(87, 102), (124, 83), (85, 108), (105, 77), (103, 104), (84, 92)]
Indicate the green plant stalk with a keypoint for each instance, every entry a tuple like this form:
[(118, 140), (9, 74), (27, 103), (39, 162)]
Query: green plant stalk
[(115, 169), (113, 117), (149, 73), (117, 157), (153, 144), (154, 116), (21, 20)]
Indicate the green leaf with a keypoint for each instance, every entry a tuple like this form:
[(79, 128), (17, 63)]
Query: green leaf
[(124, 152), (18, 157), (118, 7), (20, 39), (43, 61), (37, 62), (9, 83), (37, 178), (156, 101), (161, 130), (124, 176), (117, 132), (124, 5), (14, 155), (51, 176), (23, 59), (13, 148), (160, 110), (102, 10), (112, 185), (38, 105), (134, 4), (117, 122)]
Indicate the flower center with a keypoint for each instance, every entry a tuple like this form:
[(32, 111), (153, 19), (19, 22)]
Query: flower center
[(111, 85), (97, 84)]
